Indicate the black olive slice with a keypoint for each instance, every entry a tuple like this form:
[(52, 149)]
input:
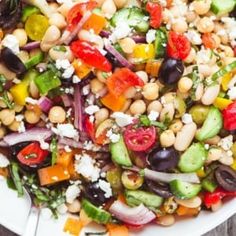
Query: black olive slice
[(159, 189)]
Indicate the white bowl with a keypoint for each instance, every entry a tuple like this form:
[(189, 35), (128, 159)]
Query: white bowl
[(14, 213)]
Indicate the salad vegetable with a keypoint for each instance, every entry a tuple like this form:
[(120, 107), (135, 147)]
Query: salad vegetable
[(119, 112)]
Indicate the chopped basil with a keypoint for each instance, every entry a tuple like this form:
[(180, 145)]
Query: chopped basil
[(145, 121), (53, 149), (6, 100)]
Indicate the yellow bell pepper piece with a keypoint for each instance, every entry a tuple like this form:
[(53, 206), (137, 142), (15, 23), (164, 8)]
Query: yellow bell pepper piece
[(201, 173), (20, 92), (81, 69), (234, 164), (225, 81), (222, 103), (143, 52)]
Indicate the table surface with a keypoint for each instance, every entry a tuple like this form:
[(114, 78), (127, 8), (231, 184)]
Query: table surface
[(228, 228)]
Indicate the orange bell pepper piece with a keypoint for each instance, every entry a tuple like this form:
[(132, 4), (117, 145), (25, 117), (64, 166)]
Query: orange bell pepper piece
[(81, 69), (96, 23), (117, 230), (4, 172), (185, 211), (112, 102), (53, 174), (73, 226), (64, 158)]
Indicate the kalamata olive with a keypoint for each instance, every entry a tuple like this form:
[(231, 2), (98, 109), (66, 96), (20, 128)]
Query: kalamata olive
[(131, 180), (94, 193), (159, 189), (226, 177), (171, 71), (115, 63), (12, 61), (163, 159)]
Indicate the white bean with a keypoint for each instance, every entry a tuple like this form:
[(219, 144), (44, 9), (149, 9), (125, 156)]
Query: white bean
[(9, 75), (166, 220), (74, 207), (58, 20), (185, 136), (190, 203), (55, 53), (210, 94), (199, 92), (168, 111), (214, 154), (108, 8)]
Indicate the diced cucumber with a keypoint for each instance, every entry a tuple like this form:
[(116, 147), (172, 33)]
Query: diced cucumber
[(136, 197), (33, 61), (134, 17), (209, 185), (211, 126), (193, 158), (97, 214), (223, 71), (160, 43), (184, 190), (119, 153), (220, 7)]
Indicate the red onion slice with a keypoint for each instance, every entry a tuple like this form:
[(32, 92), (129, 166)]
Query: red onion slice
[(117, 55), (132, 215), (78, 121), (34, 134), (45, 104), (30, 46), (70, 142), (66, 100)]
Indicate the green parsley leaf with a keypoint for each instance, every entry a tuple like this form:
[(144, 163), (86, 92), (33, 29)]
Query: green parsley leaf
[(6, 100), (60, 48)]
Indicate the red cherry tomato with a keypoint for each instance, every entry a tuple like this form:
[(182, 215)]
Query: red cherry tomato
[(229, 115), (178, 46), (32, 154), (139, 139), (90, 55), (121, 80), (90, 128), (155, 11), (77, 11), (235, 51)]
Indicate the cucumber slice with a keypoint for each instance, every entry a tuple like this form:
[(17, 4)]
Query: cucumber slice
[(160, 43), (184, 190), (95, 213), (209, 185), (220, 7), (223, 71), (211, 126), (119, 153), (137, 197), (193, 158)]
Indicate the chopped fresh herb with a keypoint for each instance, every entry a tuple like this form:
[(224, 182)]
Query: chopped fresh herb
[(95, 233), (53, 149), (2, 82), (145, 121), (11, 184), (6, 100), (16, 178), (59, 48)]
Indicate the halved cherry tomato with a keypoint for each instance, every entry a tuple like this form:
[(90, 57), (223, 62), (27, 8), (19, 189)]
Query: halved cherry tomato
[(139, 139), (155, 11), (121, 80), (32, 154), (89, 127), (208, 41), (77, 11), (229, 115), (90, 55), (178, 46)]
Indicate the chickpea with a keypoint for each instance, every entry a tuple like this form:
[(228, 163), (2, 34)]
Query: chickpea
[(101, 115), (31, 117), (57, 114), (180, 25), (58, 20), (127, 45), (2, 103), (142, 75), (7, 116), (96, 85), (130, 92), (18, 108), (176, 126), (185, 84), (21, 35), (108, 8), (191, 16), (2, 132), (214, 154), (205, 25), (23, 55), (202, 7), (131, 180), (167, 138), (55, 53), (74, 207), (191, 57), (14, 126), (166, 220), (154, 106), (138, 107), (217, 40), (151, 91), (120, 3), (228, 51)]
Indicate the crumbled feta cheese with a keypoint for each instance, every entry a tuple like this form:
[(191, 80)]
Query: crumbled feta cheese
[(21, 128), (44, 145), (46, 213), (88, 145), (66, 130), (113, 136), (226, 143), (121, 31), (229, 153), (68, 72), (153, 115), (203, 56), (230, 28), (76, 79), (187, 118), (105, 187), (19, 117), (84, 165), (207, 146), (232, 93), (4, 162), (91, 109), (31, 100), (194, 37), (103, 174), (69, 90), (62, 209), (86, 90), (12, 43), (122, 119), (91, 118), (68, 113), (62, 64), (67, 148), (72, 192), (16, 81), (151, 35)]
